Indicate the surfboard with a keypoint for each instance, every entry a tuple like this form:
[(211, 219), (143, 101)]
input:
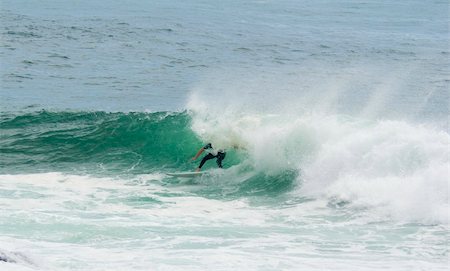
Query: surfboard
[(188, 174)]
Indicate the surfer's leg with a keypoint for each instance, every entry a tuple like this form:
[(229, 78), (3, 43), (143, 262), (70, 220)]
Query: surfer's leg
[(206, 158), (220, 157)]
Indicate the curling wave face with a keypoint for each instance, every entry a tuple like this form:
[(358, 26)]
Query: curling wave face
[(134, 142)]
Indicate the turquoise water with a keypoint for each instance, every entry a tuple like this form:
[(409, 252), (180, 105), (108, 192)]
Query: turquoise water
[(334, 115)]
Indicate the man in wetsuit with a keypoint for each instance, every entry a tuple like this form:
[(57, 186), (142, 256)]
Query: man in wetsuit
[(212, 153)]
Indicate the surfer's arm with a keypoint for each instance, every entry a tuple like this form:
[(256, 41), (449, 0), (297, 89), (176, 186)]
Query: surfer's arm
[(198, 153)]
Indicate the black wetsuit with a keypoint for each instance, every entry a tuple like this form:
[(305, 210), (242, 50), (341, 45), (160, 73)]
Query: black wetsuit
[(220, 155)]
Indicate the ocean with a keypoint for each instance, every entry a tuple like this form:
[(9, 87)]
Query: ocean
[(334, 115)]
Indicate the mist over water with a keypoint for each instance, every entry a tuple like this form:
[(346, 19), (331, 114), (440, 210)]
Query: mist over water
[(334, 117)]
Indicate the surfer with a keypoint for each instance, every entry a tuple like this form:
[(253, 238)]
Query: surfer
[(212, 153)]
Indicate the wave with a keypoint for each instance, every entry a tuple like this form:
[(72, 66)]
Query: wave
[(397, 168), (125, 141)]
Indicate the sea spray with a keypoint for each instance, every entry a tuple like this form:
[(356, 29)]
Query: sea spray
[(396, 168)]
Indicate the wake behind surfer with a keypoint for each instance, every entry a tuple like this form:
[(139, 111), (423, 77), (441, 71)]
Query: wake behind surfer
[(212, 153)]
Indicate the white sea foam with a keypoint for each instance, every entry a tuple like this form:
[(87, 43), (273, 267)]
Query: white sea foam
[(400, 169), (396, 168), (72, 222)]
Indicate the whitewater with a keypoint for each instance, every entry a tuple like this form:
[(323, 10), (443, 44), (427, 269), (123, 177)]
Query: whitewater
[(334, 116)]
